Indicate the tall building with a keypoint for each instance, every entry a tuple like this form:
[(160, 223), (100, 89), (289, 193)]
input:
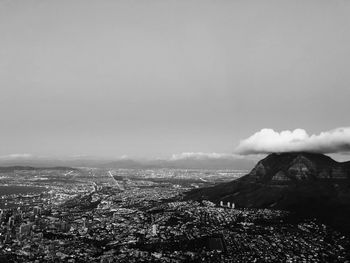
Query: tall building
[(37, 210), (64, 226), (154, 229), (11, 221)]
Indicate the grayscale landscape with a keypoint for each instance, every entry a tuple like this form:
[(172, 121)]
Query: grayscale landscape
[(174, 131)]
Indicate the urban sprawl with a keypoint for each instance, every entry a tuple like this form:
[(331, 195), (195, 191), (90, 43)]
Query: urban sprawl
[(99, 215)]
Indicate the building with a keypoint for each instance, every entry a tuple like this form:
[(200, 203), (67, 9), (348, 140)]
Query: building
[(25, 229), (154, 229), (11, 221), (37, 210)]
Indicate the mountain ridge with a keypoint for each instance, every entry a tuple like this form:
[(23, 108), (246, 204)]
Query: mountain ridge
[(13, 168), (290, 181), (129, 163)]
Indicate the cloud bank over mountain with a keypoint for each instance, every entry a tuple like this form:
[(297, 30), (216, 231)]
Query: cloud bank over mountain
[(268, 141)]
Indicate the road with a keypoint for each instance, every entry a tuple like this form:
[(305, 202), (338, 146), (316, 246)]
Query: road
[(115, 181), (68, 173)]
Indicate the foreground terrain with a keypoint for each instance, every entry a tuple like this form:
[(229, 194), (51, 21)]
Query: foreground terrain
[(97, 215)]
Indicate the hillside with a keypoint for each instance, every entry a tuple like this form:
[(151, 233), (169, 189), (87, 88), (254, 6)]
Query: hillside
[(292, 181)]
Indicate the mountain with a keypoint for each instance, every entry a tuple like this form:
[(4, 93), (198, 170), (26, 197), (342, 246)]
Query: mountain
[(292, 181), (37, 162), (185, 163), (7, 169), (181, 163), (208, 163), (122, 164)]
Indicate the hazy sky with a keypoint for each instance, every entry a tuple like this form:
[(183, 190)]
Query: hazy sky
[(153, 78)]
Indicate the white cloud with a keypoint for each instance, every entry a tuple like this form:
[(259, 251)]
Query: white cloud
[(268, 140)]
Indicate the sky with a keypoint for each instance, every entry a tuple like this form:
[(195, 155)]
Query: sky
[(160, 77)]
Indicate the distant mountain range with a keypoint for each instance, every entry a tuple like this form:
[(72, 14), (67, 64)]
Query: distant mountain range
[(7, 169), (185, 163)]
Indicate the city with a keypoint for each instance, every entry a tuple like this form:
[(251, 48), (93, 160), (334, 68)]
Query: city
[(100, 215)]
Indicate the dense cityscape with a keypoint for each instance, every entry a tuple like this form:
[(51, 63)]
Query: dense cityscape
[(98, 215)]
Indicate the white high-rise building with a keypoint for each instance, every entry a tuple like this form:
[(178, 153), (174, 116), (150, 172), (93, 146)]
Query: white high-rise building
[(154, 229), (228, 204)]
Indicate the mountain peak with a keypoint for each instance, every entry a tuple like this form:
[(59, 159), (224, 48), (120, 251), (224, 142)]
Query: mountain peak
[(286, 181), (297, 166)]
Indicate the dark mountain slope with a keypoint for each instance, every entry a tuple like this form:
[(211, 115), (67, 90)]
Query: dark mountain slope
[(292, 181)]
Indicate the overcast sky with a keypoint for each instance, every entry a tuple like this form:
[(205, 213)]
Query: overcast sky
[(153, 78)]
